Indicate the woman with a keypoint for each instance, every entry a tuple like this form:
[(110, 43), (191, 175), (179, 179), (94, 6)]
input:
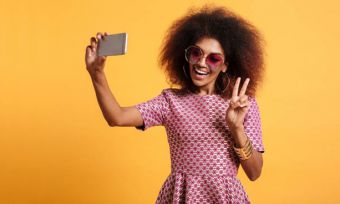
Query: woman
[(212, 121)]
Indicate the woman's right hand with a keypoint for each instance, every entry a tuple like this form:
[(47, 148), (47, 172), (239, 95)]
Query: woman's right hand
[(94, 63)]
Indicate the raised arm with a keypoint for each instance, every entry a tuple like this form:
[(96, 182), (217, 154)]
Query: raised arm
[(236, 112), (112, 112)]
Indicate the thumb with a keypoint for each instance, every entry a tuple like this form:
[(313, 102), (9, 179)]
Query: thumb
[(234, 104)]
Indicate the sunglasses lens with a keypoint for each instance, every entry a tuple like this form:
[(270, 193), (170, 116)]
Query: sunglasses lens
[(193, 55), (214, 60)]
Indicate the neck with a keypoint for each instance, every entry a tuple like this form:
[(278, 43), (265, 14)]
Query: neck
[(205, 91)]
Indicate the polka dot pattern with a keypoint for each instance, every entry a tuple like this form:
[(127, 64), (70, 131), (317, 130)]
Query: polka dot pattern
[(203, 163)]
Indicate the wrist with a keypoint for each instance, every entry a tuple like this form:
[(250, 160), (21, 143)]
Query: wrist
[(239, 136), (245, 151), (97, 75), (237, 130)]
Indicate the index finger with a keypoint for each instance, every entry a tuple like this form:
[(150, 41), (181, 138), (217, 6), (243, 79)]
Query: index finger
[(237, 84), (99, 35)]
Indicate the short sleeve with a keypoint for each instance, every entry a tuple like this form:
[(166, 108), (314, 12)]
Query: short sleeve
[(253, 127), (153, 111)]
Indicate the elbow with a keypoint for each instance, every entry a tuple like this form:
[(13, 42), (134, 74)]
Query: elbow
[(111, 123), (254, 177), (256, 172)]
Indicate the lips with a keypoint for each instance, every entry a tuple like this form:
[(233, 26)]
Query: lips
[(201, 71), (199, 74)]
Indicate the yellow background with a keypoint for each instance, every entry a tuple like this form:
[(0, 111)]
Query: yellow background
[(55, 146)]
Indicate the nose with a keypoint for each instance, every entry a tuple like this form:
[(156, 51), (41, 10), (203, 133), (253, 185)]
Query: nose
[(202, 61)]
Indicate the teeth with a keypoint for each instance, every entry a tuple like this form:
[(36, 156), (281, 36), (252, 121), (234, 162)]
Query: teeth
[(201, 72)]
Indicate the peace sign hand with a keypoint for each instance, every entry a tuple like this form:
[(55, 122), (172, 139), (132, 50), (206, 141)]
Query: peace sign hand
[(238, 107)]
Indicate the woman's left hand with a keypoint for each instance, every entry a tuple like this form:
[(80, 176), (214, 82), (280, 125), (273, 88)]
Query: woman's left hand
[(238, 107)]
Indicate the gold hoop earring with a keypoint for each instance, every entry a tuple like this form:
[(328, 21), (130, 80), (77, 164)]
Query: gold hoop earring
[(224, 74), (185, 73)]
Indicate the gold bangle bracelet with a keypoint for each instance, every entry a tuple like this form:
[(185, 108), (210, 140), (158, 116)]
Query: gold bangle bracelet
[(245, 152)]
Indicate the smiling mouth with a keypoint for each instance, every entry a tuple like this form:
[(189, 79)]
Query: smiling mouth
[(200, 71)]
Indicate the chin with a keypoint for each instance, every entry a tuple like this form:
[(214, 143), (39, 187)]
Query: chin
[(200, 82)]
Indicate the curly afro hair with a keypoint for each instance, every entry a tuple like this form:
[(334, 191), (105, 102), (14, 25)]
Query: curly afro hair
[(241, 42)]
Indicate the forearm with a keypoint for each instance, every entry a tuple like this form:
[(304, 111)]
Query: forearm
[(107, 102), (253, 165)]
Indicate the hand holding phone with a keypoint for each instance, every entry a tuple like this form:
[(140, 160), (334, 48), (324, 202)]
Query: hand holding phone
[(94, 63), (115, 44)]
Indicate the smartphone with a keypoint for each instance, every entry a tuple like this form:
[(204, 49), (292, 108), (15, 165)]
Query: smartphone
[(115, 44)]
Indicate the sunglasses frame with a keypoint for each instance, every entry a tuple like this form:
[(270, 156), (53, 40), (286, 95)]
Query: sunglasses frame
[(202, 52)]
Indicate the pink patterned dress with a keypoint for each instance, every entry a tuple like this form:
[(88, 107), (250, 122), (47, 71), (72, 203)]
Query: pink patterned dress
[(203, 163)]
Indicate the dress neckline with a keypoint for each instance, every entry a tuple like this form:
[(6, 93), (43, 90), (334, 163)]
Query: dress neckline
[(202, 96)]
